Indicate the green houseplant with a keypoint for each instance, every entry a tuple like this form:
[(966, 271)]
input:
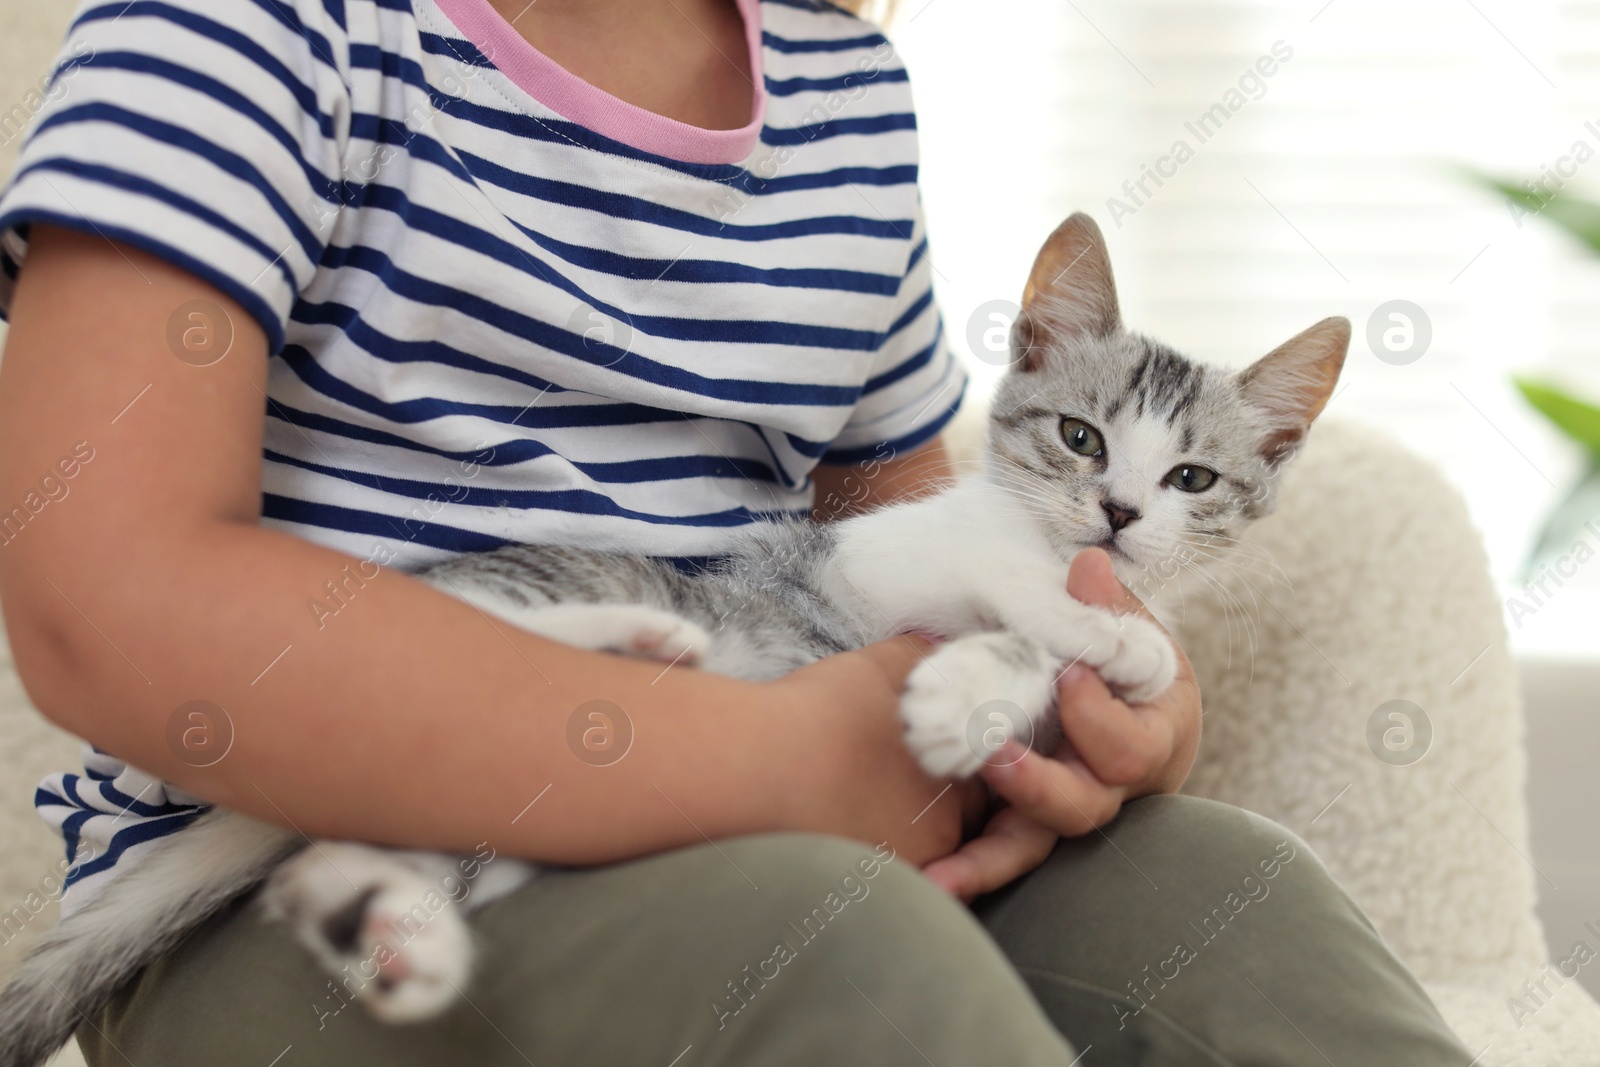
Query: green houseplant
[(1577, 518)]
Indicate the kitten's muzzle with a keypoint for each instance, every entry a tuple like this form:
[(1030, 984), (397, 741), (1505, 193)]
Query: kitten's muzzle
[(1118, 515)]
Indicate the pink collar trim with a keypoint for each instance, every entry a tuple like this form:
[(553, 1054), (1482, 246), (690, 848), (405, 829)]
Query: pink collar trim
[(575, 99)]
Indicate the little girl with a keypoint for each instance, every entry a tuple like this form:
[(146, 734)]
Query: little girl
[(328, 289)]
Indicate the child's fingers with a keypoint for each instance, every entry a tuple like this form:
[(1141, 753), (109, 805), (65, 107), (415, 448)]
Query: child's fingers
[(1121, 745), (1091, 580), (1009, 847), (1066, 797)]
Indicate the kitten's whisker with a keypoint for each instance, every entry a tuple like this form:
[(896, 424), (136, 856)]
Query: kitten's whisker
[(1232, 546), (1231, 605), (1240, 563)]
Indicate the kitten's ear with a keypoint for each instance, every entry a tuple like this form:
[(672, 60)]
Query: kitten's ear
[(1294, 381), (1070, 293)]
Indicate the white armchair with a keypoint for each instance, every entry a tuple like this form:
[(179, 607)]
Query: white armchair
[(1384, 594)]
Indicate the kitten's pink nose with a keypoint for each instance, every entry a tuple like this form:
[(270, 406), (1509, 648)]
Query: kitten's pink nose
[(1118, 515)]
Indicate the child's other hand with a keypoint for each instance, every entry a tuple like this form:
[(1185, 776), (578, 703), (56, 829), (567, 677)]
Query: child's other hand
[(850, 773), (1115, 752)]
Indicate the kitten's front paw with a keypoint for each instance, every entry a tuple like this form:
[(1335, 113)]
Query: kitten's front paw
[(1144, 663), (944, 694), (935, 713), (367, 918)]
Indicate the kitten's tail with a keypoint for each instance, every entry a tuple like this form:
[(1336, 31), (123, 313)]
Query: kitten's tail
[(87, 957)]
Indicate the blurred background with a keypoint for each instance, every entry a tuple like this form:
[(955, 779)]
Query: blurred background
[(1348, 180), (1338, 185)]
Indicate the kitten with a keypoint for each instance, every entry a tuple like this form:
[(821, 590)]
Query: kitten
[(1098, 437)]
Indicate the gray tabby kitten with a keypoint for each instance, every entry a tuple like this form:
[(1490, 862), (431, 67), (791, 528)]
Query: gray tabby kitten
[(1099, 437)]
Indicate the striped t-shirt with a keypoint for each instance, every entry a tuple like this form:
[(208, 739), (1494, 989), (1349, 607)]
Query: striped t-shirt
[(501, 305)]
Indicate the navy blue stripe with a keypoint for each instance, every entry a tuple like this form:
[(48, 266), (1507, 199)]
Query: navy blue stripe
[(365, 56), (899, 446), (556, 340), (822, 131), (791, 86), (842, 44), (905, 174), (638, 209), (623, 361), (808, 449), (228, 37), (821, 6), (715, 271), (421, 409), (135, 183), (389, 63), (694, 271), (136, 833), (247, 298), (109, 791), (285, 12), (351, 520), (917, 255), (236, 101), (522, 450), (69, 791), (64, 69), (732, 331), (458, 48), (911, 313), (391, 349), (71, 831), (566, 501), (219, 157), (315, 376), (111, 794), (44, 798), (534, 416), (910, 366)]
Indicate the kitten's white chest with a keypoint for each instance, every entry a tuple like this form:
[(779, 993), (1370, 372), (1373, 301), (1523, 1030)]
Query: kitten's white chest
[(943, 563)]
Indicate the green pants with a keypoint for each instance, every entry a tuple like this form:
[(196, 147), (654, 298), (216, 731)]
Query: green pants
[(1189, 932)]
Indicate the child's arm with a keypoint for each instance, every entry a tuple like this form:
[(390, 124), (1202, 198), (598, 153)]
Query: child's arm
[(850, 490), (408, 717)]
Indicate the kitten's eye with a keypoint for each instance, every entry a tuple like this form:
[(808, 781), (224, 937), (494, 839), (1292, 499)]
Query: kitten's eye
[(1191, 478), (1082, 438)]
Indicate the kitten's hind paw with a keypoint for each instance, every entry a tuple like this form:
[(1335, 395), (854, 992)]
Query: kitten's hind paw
[(667, 638), (627, 629), (380, 928)]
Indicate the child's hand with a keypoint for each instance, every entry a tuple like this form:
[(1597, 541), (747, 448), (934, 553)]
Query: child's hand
[(1115, 752), (850, 772)]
